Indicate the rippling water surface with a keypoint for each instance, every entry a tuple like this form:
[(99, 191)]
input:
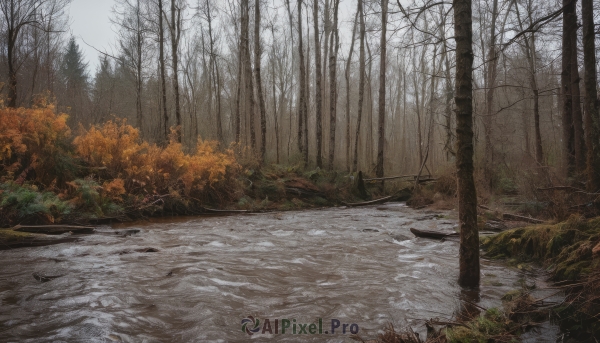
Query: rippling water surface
[(358, 265)]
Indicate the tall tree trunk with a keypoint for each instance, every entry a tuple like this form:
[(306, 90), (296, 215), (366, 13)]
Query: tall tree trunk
[(175, 36), (334, 47), (249, 86), (12, 70), (592, 115), (469, 274), (569, 26), (163, 78), (530, 54), (302, 83), (238, 110), (578, 141), (215, 76), (382, 71), (361, 83), (259, 91), (139, 81), (347, 76), (492, 60), (318, 90)]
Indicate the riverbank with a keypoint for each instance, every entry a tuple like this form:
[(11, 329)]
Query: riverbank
[(570, 251)]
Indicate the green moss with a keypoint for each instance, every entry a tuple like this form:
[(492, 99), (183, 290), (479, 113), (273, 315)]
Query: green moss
[(567, 245), (482, 329), (7, 235)]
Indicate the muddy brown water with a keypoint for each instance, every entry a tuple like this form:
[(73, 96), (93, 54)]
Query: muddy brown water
[(357, 265)]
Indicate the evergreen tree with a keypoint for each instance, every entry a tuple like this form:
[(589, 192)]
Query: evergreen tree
[(103, 91), (73, 66), (75, 83)]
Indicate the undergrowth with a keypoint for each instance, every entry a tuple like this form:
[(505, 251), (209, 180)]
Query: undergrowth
[(571, 252)]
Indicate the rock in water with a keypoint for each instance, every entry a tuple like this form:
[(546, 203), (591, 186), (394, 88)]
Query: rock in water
[(45, 278)]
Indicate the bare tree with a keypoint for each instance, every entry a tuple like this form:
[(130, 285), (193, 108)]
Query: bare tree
[(334, 49), (318, 80), (302, 107), (347, 76), (17, 15), (175, 33), (467, 197), (592, 115), (163, 78), (261, 100), (569, 26), (382, 85), (361, 83)]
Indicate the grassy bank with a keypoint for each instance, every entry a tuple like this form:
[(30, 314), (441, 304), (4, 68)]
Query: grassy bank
[(570, 251)]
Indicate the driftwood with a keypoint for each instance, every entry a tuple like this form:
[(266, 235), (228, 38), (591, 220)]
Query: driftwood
[(35, 242), (370, 202), (508, 216), (395, 177), (432, 234), (560, 188), (515, 217), (54, 229), (212, 210)]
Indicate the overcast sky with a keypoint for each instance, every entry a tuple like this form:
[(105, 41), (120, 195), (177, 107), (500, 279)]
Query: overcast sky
[(90, 22)]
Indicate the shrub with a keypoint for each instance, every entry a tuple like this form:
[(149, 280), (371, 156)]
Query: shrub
[(150, 169), (22, 201)]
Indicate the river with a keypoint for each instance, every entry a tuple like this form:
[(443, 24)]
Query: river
[(356, 265)]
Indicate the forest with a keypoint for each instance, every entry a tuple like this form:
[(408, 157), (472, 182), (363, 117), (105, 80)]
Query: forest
[(489, 107)]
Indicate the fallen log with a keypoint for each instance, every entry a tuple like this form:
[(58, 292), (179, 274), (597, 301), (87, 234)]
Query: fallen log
[(432, 234), (370, 202), (560, 188), (394, 177), (212, 210), (35, 242), (508, 216), (54, 229)]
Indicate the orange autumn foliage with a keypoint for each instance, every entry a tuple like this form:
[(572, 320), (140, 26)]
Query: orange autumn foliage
[(32, 137), (118, 147), (30, 129)]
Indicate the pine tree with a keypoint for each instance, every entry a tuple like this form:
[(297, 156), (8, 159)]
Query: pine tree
[(75, 81), (73, 67)]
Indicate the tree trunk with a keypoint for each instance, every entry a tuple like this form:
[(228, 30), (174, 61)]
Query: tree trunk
[(578, 141), (530, 54), (12, 70), (261, 100), (335, 43), (215, 76), (467, 197), (249, 86), (592, 115), (569, 25), (238, 110), (163, 82), (361, 83), (318, 90), (139, 81), (382, 71), (302, 83), (347, 76), (492, 59), (175, 36)]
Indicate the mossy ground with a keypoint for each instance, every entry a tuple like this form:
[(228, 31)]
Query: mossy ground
[(566, 250), (8, 235)]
